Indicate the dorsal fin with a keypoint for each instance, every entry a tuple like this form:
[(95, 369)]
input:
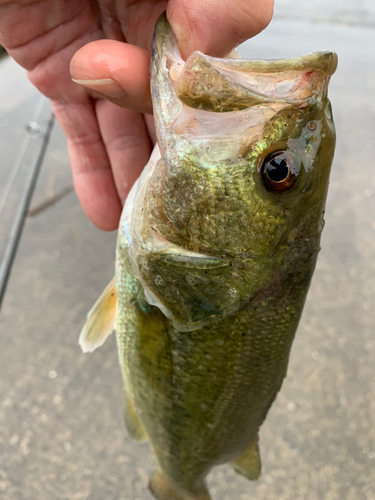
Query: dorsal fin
[(100, 320)]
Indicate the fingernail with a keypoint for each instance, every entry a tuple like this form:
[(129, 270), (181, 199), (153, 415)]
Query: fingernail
[(106, 86)]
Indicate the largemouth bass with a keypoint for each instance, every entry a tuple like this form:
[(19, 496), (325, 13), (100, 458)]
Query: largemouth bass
[(216, 249)]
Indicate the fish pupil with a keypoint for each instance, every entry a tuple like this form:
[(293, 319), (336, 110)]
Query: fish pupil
[(277, 169), (280, 171)]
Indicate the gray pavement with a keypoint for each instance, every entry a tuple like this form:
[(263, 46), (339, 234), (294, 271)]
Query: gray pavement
[(17, 106), (61, 430), (345, 12)]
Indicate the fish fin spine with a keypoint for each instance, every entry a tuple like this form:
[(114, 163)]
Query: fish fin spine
[(100, 320)]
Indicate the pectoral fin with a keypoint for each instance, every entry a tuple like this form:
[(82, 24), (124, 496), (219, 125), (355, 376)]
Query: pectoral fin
[(248, 464), (100, 320)]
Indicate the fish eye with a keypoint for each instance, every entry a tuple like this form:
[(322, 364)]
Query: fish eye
[(279, 171)]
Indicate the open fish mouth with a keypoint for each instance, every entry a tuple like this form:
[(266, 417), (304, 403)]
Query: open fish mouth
[(236, 84), (221, 85)]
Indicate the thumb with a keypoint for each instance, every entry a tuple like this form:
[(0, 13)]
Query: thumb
[(215, 27)]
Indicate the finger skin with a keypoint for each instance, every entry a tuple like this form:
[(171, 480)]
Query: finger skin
[(215, 27), (92, 173), (123, 63), (127, 141)]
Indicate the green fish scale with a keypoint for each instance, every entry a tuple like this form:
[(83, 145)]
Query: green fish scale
[(193, 389), (213, 211)]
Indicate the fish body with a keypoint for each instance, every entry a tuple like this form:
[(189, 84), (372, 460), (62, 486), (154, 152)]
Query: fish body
[(216, 249)]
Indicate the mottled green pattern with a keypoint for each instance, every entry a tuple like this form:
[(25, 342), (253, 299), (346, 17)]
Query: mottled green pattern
[(202, 381)]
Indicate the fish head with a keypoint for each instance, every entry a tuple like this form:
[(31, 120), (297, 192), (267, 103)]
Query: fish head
[(236, 191)]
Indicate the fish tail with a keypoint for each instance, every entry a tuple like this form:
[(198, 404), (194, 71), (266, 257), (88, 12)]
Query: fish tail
[(162, 489)]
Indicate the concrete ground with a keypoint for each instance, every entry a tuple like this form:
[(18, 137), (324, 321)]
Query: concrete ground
[(61, 430)]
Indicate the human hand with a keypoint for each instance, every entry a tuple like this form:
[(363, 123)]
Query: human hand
[(107, 121)]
